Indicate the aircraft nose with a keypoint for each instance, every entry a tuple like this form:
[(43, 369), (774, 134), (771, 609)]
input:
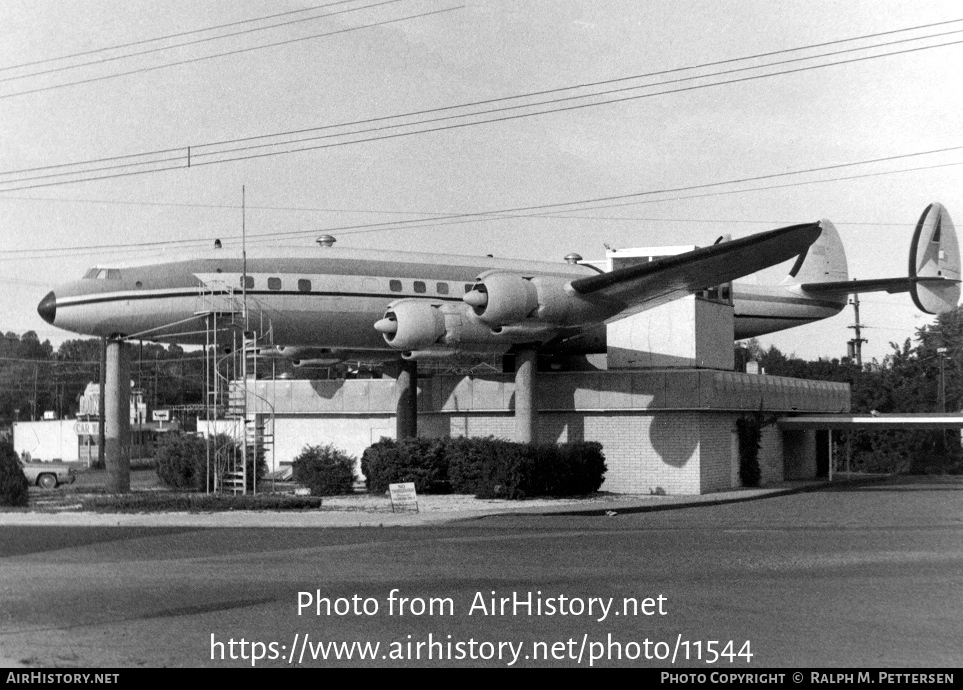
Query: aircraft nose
[(48, 308)]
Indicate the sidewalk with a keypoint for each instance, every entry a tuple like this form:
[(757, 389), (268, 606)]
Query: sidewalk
[(375, 511)]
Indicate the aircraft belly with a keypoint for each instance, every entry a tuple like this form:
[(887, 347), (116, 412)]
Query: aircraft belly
[(759, 311), (123, 316), (331, 322)]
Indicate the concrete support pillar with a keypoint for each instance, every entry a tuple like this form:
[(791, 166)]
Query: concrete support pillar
[(101, 406), (407, 411), (526, 413), (117, 416)]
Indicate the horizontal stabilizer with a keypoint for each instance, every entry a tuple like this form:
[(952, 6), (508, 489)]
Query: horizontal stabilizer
[(934, 269), (668, 278)]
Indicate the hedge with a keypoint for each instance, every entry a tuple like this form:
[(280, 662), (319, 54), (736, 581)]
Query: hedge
[(486, 467), (418, 460)]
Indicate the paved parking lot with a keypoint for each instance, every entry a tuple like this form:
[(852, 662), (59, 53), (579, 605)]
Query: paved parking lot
[(860, 576)]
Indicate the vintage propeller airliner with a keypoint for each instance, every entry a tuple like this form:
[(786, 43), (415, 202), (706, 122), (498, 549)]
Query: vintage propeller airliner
[(351, 304)]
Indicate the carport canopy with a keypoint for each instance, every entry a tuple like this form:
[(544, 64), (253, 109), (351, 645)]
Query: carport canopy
[(843, 422)]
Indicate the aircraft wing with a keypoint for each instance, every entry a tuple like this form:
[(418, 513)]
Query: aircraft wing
[(647, 285)]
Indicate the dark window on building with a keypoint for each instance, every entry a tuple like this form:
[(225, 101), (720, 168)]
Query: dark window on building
[(274, 283), (248, 282), (395, 285), (304, 285), (420, 286), (442, 288)]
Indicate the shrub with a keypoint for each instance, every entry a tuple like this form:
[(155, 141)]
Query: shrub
[(418, 460), (182, 462), (749, 430), (178, 459), (326, 470), (13, 482), (577, 469)]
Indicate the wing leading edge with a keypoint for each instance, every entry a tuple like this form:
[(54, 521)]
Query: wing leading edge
[(648, 285)]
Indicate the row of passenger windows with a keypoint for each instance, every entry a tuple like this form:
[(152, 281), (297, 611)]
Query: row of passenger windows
[(304, 285)]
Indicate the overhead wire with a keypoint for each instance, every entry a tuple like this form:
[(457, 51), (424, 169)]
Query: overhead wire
[(181, 34), (193, 156), (501, 214), (237, 51)]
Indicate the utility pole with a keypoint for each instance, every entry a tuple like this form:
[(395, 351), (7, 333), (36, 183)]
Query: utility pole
[(941, 353), (855, 346)]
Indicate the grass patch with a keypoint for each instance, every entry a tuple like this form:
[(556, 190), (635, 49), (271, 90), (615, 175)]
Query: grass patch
[(96, 500), (160, 501)]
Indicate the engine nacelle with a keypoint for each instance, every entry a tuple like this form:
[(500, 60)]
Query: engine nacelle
[(412, 324), (501, 298), (426, 329)]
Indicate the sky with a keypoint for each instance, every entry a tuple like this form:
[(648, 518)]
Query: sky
[(376, 60)]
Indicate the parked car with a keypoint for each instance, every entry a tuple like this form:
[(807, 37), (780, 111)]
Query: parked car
[(48, 475)]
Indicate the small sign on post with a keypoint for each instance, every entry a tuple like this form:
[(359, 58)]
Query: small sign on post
[(404, 499)]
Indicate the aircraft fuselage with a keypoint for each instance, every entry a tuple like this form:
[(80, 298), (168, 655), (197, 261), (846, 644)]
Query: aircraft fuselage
[(330, 300)]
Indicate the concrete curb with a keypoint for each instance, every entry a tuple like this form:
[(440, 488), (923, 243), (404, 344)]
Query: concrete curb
[(342, 519)]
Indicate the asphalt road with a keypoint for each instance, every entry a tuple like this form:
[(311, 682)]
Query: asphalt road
[(869, 576)]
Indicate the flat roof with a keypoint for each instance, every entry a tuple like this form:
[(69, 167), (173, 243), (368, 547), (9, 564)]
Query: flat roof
[(924, 420)]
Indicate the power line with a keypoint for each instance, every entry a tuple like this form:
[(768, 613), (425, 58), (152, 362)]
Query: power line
[(557, 100), (623, 79), (503, 214), (235, 52), (170, 36), (186, 159), (381, 211), (668, 190)]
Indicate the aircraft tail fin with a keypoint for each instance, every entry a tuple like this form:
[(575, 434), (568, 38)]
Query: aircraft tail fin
[(935, 262), (824, 261), (933, 279)]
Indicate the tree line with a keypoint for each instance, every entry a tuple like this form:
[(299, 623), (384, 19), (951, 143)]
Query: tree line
[(922, 374), (36, 378)]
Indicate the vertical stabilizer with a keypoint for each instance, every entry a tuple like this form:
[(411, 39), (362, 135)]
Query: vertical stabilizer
[(935, 254), (824, 261)]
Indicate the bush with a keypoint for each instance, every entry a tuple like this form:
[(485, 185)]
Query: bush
[(182, 462), (179, 458), (418, 460), (326, 470), (13, 482)]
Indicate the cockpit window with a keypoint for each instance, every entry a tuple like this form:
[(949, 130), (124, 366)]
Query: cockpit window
[(102, 274)]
